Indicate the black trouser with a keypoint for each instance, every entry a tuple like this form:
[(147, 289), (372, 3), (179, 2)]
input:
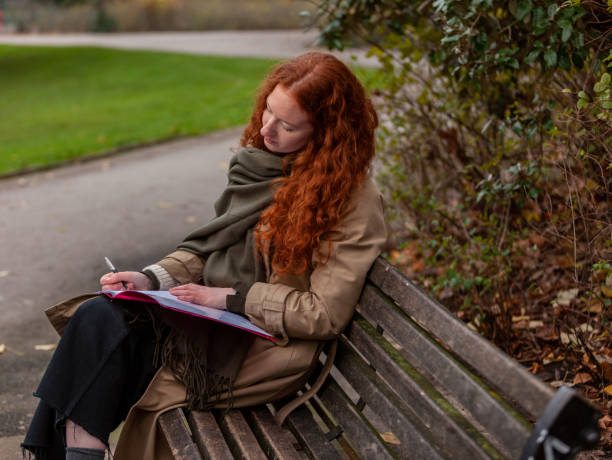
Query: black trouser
[(102, 365)]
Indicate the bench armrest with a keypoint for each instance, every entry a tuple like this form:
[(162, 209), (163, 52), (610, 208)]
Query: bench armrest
[(567, 426)]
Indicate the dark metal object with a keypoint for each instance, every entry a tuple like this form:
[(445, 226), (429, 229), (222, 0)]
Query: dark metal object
[(389, 406), (367, 442), (567, 426), (334, 433), (305, 429)]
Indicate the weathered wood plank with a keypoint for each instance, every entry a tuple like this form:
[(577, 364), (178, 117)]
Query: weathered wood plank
[(415, 439), (307, 432), (428, 357), (498, 368), (208, 436), (275, 441), (333, 431), (176, 433), (360, 433), (241, 440), (452, 430)]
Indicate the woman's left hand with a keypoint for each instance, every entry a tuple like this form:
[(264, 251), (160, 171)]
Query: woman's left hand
[(213, 297)]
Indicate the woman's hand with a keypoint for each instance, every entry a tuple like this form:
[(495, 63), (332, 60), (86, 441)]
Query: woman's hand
[(213, 297), (134, 280)]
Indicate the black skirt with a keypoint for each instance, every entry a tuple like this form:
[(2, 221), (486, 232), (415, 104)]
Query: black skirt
[(101, 367)]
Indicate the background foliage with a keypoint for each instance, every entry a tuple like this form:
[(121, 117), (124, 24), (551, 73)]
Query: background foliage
[(146, 15), (496, 146)]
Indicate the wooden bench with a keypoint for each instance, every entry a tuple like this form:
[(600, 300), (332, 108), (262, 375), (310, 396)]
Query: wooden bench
[(410, 381)]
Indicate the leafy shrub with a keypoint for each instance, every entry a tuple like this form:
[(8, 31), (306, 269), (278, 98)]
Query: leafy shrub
[(496, 152)]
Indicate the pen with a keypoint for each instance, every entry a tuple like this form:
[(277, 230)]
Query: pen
[(114, 270)]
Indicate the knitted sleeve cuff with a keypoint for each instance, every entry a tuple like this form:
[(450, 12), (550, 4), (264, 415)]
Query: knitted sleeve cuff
[(161, 279)]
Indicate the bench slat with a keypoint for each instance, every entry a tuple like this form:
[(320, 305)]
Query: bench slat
[(360, 434), (426, 403), (305, 429), (498, 368), (428, 357), (240, 438), (208, 436), (275, 441), (175, 431), (414, 442)]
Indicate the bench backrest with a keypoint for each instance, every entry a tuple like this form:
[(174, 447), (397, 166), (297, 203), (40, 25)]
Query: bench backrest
[(396, 392), (412, 381)]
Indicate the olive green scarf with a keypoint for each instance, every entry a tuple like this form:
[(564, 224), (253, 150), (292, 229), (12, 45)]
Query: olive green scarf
[(204, 355), (227, 241)]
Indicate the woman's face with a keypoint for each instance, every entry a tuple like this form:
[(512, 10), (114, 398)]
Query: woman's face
[(285, 126)]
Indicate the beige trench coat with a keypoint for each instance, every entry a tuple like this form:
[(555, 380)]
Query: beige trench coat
[(301, 311)]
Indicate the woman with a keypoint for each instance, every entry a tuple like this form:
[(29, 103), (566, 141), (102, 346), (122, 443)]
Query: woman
[(295, 233)]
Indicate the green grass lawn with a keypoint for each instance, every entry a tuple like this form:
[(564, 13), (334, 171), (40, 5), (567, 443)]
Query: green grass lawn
[(61, 103)]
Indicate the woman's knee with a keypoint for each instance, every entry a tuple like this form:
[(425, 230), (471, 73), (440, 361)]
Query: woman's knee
[(98, 310)]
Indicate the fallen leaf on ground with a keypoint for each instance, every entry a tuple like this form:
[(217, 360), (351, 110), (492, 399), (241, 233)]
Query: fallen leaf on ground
[(606, 369), (4, 273), (2, 348), (15, 352), (565, 262), (566, 338), (516, 319), (165, 204), (551, 358), (548, 333), (564, 298), (45, 347), (595, 306), (608, 389), (560, 383), (605, 422), (394, 256), (535, 367), (390, 438), (582, 377), (606, 289)]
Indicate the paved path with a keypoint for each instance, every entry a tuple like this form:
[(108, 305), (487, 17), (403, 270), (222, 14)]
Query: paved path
[(57, 226), (277, 43)]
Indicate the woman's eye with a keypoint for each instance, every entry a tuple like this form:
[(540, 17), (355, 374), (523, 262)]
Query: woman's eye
[(289, 130)]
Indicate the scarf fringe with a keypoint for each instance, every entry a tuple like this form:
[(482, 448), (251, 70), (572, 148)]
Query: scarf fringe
[(183, 357)]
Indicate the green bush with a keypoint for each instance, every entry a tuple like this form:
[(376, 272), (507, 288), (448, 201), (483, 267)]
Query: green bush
[(496, 152)]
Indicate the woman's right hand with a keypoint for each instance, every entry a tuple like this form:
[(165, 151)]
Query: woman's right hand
[(134, 280)]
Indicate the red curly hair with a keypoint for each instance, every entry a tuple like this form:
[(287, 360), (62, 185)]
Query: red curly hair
[(311, 199)]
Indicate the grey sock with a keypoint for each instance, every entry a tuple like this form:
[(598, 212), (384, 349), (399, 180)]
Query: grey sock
[(82, 453)]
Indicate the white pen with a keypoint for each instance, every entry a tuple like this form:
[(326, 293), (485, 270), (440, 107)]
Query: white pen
[(114, 270)]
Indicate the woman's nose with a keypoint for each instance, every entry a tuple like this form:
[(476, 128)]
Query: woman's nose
[(266, 129)]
